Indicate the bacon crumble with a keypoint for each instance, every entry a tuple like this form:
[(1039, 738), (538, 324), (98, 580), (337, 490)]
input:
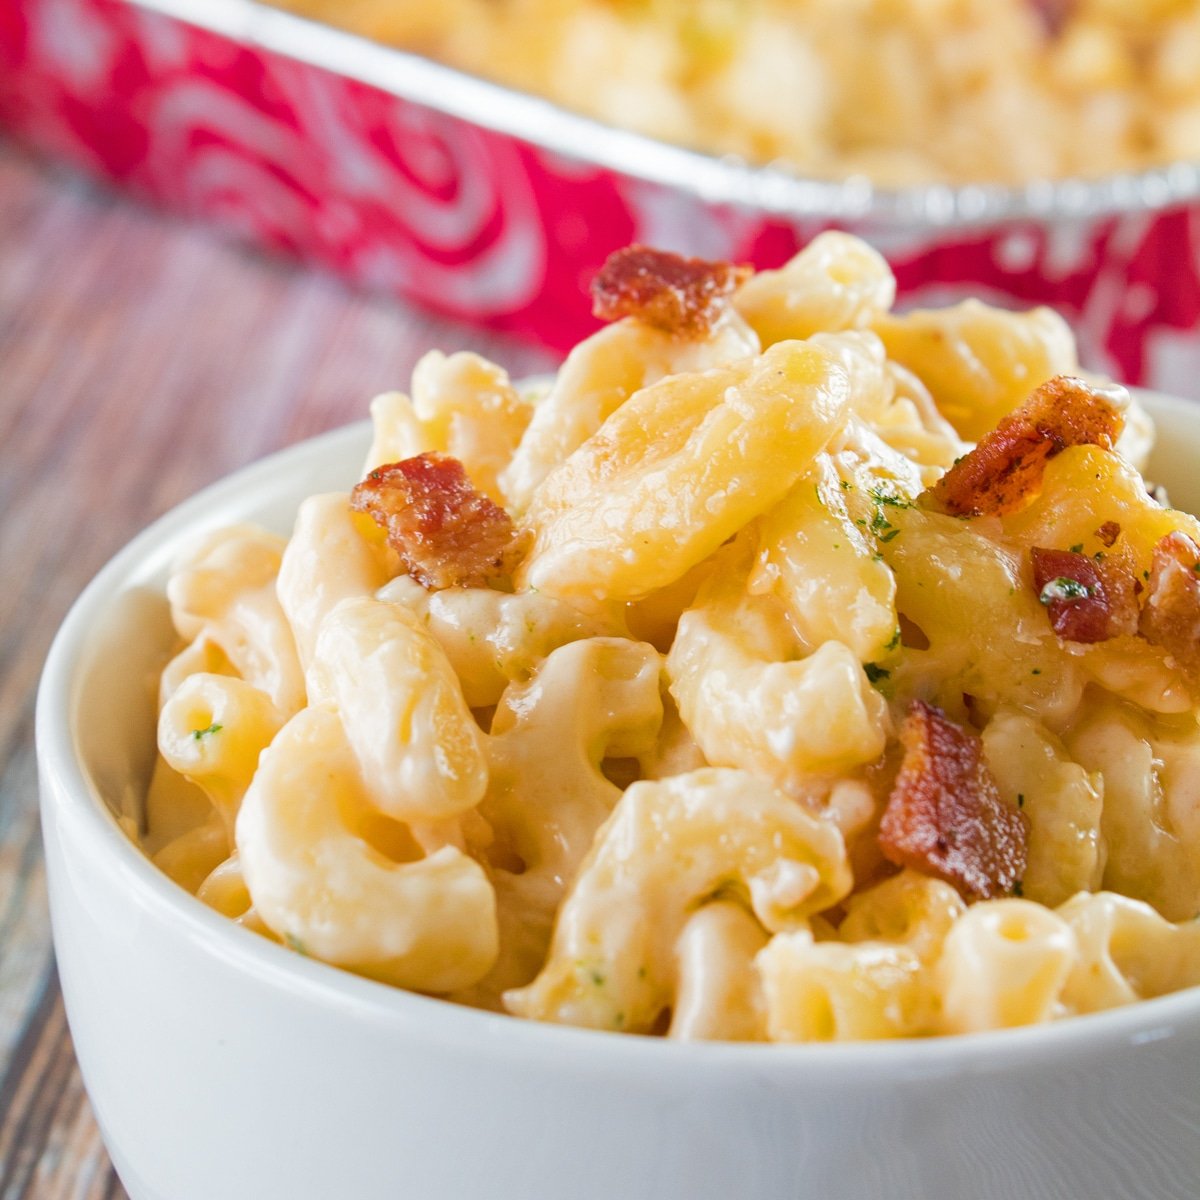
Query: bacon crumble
[(446, 533), (683, 296), (945, 816), (1108, 533), (1007, 466), (1171, 612), (1087, 599)]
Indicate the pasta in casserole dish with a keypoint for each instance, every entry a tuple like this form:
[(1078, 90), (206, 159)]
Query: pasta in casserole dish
[(906, 92)]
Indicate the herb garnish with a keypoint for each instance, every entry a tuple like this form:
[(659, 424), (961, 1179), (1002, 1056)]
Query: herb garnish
[(1065, 589)]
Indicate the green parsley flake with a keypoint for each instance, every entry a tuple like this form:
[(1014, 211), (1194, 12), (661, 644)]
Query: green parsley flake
[(895, 640), (888, 499), (294, 943), (203, 733), (891, 533), (1019, 888), (1020, 799), (590, 972), (875, 672), (1064, 589)]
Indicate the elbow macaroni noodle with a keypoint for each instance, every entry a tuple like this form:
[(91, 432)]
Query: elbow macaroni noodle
[(638, 785)]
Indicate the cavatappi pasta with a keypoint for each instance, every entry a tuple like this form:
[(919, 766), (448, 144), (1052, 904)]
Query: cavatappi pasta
[(827, 674), (902, 91)]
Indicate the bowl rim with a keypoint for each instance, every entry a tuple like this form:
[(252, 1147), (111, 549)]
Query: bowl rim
[(775, 188), (71, 800)]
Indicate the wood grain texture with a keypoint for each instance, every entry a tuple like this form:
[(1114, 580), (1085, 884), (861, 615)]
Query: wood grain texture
[(140, 359)]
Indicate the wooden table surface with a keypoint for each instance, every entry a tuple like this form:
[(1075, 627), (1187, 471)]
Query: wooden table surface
[(140, 359)]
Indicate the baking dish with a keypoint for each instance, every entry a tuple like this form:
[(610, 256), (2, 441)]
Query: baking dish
[(413, 179)]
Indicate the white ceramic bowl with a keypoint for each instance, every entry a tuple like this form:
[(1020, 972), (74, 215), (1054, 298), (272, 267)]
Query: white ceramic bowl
[(222, 1067)]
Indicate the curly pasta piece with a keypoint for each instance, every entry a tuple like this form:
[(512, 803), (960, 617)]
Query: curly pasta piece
[(1004, 964), (1127, 952), (224, 590), (462, 405), (547, 794), (836, 282), (174, 806), (682, 296), (667, 847), (832, 992), (1083, 489), (1061, 801), (599, 375), (909, 909), (751, 702), (212, 731), (678, 469), (446, 533), (469, 409), (328, 559), (719, 995), (202, 655), (961, 593), (978, 362), (1151, 815), (495, 638), (189, 858), (1006, 469), (945, 816), (396, 432), (825, 569), (428, 924), (224, 890), (915, 427), (419, 748)]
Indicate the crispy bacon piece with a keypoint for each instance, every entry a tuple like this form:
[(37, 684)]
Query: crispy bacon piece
[(1171, 613), (1108, 533), (684, 296), (446, 533), (1007, 466), (1087, 600), (945, 817)]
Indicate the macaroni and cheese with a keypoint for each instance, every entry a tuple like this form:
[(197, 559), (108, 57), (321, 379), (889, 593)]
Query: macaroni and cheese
[(911, 92), (784, 669)]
